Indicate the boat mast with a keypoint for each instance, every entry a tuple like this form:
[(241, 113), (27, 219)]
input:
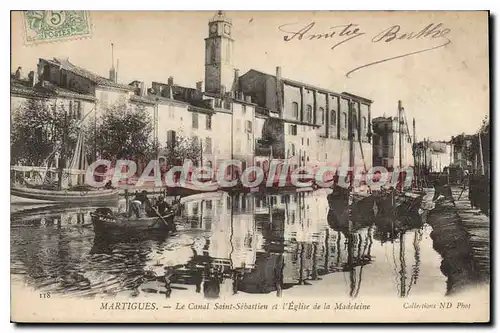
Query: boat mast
[(414, 151), (350, 131), (400, 122), (64, 150)]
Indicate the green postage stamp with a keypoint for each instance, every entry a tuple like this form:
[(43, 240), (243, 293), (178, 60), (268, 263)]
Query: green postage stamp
[(56, 25)]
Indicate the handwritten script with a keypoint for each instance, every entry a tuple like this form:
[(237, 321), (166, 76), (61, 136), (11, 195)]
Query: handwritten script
[(342, 34)]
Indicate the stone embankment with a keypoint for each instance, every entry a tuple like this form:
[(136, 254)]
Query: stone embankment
[(461, 236)]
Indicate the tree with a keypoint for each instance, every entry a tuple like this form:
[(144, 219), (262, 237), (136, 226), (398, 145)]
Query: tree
[(36, 128), (183, 148), (121, 131)]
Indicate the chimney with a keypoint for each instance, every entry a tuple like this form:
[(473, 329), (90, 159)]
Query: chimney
[(142, 90), (170, 81), (199, 86), (32, 77), (170, 92), (223, 90), (248, 99), (19, 73), (278, 73)]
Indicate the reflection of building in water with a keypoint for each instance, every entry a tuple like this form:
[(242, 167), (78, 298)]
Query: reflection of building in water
[(304, 225), (244, 238), (233, 239)]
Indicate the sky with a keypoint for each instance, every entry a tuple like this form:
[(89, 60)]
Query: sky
[(445, 89)]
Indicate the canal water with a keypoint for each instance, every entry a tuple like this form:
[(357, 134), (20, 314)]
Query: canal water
[(227, 245)]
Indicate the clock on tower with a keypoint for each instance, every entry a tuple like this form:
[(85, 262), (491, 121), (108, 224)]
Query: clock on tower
[(213, 28)]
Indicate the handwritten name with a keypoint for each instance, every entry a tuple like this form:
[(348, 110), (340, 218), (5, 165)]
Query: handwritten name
[(341, 34)]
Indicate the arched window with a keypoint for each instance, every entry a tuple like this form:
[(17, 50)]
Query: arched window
[(333, 117), (292, 146), (295, 110), (344, 119), (309, 113), (322, 115), (365, 124)]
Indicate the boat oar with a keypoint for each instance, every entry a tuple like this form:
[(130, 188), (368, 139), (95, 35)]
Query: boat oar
[(159, 215)]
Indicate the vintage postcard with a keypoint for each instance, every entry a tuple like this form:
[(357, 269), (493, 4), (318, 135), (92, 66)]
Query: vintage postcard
[(218, 166)]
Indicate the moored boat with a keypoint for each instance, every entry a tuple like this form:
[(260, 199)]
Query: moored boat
[(59, 183), (394, 203), (360, 211), (26, 195)]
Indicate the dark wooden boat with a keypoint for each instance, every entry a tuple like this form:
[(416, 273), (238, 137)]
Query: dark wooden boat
[(360, 213), (105, 221), (390, 202)]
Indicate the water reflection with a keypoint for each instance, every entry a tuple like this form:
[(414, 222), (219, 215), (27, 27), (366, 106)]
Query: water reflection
[(240, 243)]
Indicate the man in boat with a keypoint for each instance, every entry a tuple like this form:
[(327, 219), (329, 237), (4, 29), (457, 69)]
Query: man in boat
[(137, 203), (162, 206), (159, 209)]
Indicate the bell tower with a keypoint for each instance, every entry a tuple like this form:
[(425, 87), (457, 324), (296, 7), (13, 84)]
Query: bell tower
[(219, 70)]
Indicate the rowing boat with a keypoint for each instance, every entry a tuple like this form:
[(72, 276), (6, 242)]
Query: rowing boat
[(105, 221)]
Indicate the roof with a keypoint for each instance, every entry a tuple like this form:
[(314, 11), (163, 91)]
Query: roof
[(366, 100), (310, 86), (200, 109), (80, 71), (142, 99), (45, 90)]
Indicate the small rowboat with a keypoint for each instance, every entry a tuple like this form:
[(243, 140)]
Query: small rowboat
[(105, 221)]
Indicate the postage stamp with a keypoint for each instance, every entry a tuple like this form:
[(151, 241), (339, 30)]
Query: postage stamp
[(56, 25)]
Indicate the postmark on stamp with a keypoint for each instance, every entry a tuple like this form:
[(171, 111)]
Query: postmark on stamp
[(56, 25)]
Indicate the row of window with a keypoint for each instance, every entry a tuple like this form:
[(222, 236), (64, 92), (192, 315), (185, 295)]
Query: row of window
[(208, 121), (333, 116), (207, 144)]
